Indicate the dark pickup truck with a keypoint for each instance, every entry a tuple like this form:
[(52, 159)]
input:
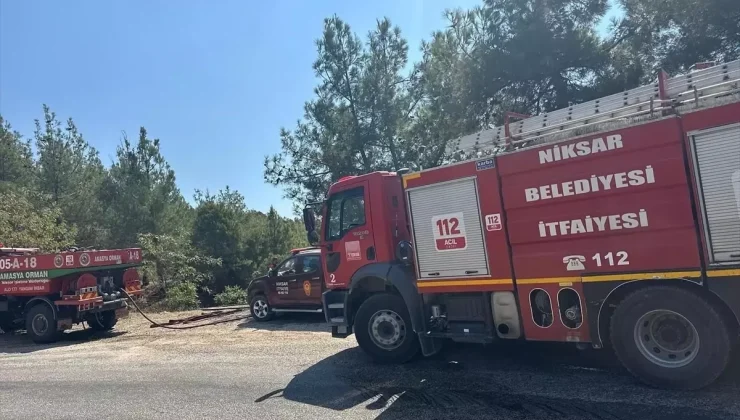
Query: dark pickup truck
[(294, 285)]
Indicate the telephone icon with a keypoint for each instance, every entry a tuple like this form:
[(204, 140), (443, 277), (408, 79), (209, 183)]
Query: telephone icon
[(574, 262)]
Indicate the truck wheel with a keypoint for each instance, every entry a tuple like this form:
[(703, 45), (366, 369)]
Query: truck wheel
[(260, 308), (670, 338), (102, 321), (383, 329), (41, 324)]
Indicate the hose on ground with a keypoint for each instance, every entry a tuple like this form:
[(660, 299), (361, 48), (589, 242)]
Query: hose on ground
[(170, 327)]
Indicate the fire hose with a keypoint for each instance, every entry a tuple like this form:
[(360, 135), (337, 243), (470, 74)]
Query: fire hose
[(170, 327)]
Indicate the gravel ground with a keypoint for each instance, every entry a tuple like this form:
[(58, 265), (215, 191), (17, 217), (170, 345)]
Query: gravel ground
[(292, 368)]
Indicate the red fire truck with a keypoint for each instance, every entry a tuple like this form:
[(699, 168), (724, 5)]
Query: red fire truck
[(47, 293), (609, 223)]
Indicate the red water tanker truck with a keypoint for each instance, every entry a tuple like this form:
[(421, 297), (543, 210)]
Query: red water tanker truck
[(46, 293)]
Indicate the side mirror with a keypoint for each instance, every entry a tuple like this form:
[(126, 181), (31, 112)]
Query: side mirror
[(309, 219), (272, 273), (309, 222)]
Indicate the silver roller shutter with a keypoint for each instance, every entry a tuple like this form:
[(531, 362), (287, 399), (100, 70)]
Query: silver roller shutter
[(717, 155), (427, 204)]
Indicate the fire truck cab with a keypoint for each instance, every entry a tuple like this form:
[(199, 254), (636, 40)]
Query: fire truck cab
[(610, 223)]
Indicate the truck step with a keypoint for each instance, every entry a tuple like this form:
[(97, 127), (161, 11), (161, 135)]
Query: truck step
[(337, 320), (336, 306)]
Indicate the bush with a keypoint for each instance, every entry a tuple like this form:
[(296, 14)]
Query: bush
[(232, 295), (182, 296), (174, 272)]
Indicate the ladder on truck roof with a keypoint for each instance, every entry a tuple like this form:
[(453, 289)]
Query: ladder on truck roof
[(694, 89)]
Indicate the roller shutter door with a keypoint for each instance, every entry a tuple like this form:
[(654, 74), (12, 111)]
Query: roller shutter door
[(717, 154), (448, 236)]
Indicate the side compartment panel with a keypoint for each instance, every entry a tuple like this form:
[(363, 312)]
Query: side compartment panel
[(693, 122), (472, 190), (448, 230), (717, 160)]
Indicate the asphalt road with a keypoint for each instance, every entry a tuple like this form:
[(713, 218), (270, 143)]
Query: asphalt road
[(292, 368)]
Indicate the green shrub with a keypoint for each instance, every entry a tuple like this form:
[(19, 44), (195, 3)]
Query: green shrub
[(232, 295), (181, 297)]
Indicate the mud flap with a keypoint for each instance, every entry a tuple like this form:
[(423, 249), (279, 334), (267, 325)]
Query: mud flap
[(429, 346), (341, 331)]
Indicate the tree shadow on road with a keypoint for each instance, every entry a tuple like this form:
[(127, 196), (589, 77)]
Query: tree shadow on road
[(531, 381), (290, 321), (19, 342)]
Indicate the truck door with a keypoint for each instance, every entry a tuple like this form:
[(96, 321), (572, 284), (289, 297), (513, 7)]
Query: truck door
[(348, 235), (280, 283), (306, 290)]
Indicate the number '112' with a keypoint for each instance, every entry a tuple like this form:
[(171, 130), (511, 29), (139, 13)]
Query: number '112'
[(448, 226)]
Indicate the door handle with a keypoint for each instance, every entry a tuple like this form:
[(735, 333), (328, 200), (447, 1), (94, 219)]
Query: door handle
[(291, 281)]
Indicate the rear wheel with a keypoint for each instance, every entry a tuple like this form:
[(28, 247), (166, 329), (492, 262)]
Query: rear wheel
[(102, 321), (260, 308), (670, 338), (383, 329), (41, 324)]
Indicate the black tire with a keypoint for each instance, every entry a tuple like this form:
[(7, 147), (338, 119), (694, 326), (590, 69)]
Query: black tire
[(102, 321), (393, 307), (261, 315), (704, 363), (41, 324)]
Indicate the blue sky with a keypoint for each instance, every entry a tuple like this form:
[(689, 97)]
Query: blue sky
[(214, 81)]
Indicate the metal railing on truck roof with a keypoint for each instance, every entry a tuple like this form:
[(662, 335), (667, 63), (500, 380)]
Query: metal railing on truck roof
[(694, 88)]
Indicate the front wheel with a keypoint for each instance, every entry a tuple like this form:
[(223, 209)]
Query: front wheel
[(260, 308), (102, 321), (383, 329), (670, 338)]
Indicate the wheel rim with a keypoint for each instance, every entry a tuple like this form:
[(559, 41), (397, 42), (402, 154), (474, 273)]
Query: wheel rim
[(260, 308), (667, 338), (387, 329), (40, 324)]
